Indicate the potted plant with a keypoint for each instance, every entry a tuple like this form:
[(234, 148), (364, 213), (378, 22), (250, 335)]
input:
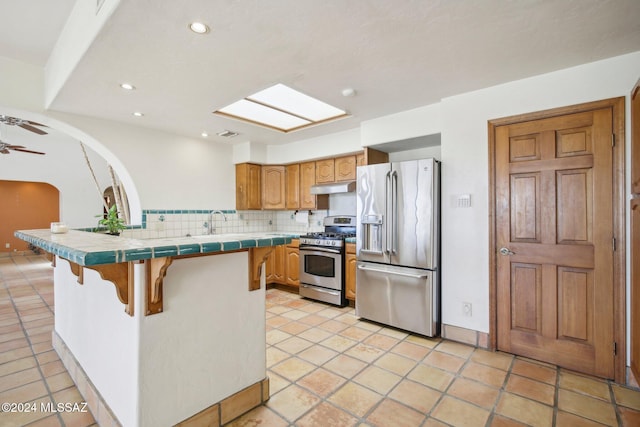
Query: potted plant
[(112, 222)]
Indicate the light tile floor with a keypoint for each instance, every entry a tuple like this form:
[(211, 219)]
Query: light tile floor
[(31, 374), (327, 368)]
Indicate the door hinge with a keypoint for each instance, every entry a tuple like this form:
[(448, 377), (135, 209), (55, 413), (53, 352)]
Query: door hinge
[(615, 348), (614, 244)]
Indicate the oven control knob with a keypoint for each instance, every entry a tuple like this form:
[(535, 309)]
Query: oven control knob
[(317, 241), (333, 243)]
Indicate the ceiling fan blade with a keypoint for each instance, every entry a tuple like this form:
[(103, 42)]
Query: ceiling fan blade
[(11, 147), (32, 129), (35, 123), (27, 151), (4, 151)]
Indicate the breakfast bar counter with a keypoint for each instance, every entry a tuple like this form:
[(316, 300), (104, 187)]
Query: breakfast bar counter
[(164, 331)]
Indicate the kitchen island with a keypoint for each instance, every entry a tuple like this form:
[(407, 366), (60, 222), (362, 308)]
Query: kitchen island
[(162, 331)]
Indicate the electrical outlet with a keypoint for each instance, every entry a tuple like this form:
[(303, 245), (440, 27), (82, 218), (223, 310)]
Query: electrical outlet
[(7, 245), (466, 309)]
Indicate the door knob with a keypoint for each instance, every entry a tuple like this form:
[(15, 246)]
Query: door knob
[(506, 251)]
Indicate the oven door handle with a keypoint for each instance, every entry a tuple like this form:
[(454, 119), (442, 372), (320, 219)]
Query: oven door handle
[(320, 249)]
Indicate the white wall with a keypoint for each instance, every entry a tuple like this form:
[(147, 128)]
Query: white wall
[(465, 240), (82, 26), (169, 171), (104, 340), (417, 153), (63, 166), (21, 85), (402, 125), (325, 146), (207, 344)]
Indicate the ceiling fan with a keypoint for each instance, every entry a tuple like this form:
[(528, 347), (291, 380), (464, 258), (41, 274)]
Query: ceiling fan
[(24, 124), (4, 149)]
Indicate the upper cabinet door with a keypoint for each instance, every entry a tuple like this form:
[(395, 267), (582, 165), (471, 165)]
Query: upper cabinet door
[(292, 187), (248, 188), (307, 179), (635, 139), (273, 187), (345, 168), (325, 171)]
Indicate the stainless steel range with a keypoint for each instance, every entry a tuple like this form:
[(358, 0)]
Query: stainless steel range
[(322, 259)]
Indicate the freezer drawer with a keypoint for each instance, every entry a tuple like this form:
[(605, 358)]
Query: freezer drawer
[(402, 297)]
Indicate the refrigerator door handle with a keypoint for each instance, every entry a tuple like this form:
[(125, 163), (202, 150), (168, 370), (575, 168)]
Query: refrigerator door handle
[(388, 197), (394, 206), (397, 273)]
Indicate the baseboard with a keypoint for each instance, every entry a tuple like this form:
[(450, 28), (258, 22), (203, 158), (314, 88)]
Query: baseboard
[(465, 336)]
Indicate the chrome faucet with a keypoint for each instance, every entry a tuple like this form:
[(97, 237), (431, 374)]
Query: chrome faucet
[(211, 214)]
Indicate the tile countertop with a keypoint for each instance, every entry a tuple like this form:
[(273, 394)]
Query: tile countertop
[(86, 248)]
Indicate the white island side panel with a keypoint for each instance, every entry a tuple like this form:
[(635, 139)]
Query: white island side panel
[(209, 342), (101, 336)]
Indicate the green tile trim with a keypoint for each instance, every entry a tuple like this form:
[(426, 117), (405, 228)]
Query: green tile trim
[(125, 249)]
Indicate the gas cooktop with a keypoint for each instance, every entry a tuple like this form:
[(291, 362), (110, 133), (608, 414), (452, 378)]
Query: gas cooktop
[(336, 229)]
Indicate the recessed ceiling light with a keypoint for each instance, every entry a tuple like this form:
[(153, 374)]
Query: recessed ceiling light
[(348, 92), (199, 27), (138, 114), (281, 108), (204, 134), (127, 86)]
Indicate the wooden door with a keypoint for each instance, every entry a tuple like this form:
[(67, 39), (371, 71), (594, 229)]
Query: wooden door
[(554, 232), (292, 187), (635, 230), (635, 287), (273, 187)]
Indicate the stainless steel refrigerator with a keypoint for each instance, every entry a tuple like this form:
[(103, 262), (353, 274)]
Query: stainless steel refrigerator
[(397, 244)]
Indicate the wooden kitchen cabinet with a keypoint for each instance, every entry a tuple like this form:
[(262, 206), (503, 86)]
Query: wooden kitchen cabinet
[(374, 157), (345, 168), (248, 186), (273, 187), (276, 265), (307, 179), (292, 186), (325, 171), (283, 265), (292, 263), (360, 160), (350, 272)]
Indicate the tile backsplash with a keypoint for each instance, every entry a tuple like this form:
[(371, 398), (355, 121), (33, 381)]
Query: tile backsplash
[(159, 223)]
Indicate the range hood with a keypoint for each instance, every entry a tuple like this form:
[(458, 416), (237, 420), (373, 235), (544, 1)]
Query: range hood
[(334, 187)]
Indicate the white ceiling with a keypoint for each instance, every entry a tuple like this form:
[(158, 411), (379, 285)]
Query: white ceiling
[(397, 54)]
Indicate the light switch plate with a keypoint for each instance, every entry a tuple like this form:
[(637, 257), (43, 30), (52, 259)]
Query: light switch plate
[(464, 201)]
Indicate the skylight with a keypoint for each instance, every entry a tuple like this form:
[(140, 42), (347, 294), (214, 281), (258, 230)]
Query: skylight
[(281, 108)]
